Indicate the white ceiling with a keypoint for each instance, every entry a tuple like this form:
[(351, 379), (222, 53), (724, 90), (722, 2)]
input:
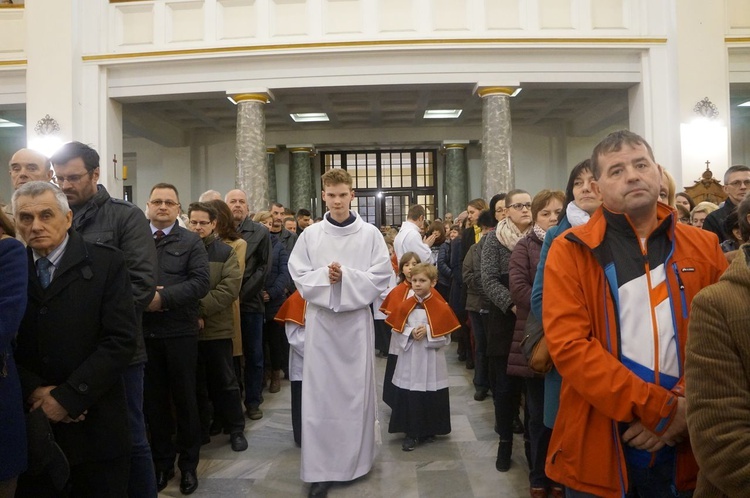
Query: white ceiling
[(583, 111)]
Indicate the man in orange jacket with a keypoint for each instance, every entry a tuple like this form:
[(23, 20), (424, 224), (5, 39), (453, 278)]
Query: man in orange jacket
[(617, 297)]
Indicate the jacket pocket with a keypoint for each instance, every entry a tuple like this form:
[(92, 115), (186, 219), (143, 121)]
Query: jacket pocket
[(174, 261)]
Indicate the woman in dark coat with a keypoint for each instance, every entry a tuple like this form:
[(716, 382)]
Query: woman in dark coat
[(506, 389), (546, 210), (13, 285)]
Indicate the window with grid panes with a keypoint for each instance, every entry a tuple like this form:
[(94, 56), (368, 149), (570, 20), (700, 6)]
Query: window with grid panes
[(386, 183)]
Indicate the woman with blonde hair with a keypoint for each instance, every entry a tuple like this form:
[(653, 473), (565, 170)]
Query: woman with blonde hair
[(700, 212)]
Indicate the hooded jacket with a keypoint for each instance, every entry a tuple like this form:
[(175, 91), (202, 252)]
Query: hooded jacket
[(583, 327)]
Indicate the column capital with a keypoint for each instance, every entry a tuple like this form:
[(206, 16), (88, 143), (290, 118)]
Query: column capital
[(261, 97), (272, 150), (301, 148), (455, 144), (508, 91)]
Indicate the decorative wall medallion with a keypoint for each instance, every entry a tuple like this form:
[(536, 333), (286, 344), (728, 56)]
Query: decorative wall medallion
[(46, 126), (706, 108)]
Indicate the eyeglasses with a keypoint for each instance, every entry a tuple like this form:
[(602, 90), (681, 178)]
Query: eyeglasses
[(519, 206), (70, 179), (739, 183), (168, 203), (201, 223)]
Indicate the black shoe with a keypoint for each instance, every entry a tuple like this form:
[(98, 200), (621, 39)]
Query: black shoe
[(238, 441), (480, 394), (216, 427), (188, 482), (319, 489), (504, 450), (409, 443), (469, 364), (517, 426), (162, 478), (205, 439)]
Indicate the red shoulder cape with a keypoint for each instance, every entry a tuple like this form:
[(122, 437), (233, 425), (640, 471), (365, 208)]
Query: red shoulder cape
[(293, 310), (395, 297), (440, 316)]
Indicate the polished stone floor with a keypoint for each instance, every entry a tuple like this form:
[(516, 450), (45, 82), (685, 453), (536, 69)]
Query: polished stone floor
[(461, 464)]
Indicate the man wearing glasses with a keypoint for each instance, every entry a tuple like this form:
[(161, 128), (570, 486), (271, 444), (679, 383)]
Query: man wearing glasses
[(101, 219), (170, 326), (736, 185)]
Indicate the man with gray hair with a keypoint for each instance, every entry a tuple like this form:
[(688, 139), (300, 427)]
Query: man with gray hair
[(209, 195), (736, 186), (74, 344)]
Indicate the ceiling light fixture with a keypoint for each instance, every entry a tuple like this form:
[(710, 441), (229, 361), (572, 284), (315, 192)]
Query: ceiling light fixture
[(744, 104), (442, 113), (309, 117), (4, 123)]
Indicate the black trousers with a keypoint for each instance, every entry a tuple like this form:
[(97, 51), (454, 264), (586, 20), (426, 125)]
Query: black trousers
[(297, 411), (170, 375), (217, 386), (106, 479), (273, 338)]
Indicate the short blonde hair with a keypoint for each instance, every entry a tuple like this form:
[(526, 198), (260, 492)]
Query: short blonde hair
[(336, 176), (704, 207), (427, 269), (262, 216)]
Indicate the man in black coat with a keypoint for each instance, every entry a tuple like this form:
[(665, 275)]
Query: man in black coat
[(170, 326), (74, 344), (114, 222), (257, 266)]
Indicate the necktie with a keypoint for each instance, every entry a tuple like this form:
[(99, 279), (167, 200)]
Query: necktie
[(158, 235), (44, 265)]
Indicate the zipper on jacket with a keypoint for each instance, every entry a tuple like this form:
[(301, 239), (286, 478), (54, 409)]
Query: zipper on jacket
[(682, 291)]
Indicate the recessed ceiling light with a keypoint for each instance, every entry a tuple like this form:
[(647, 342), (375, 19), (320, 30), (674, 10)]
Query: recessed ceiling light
[(442, 113), (4, 123), (309, 117), (744, 104)]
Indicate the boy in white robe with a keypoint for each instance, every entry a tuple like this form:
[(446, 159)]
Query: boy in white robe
[(340, 266), (422, 325)]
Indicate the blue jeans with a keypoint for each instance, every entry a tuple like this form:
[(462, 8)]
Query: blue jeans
[(654, 482), (481, 379), (252, 347), (142, 481)]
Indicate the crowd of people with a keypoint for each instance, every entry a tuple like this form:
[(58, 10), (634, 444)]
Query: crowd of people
[(589, 316)]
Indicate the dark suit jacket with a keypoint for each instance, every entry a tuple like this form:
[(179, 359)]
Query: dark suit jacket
[(257, 265), (79, 335)]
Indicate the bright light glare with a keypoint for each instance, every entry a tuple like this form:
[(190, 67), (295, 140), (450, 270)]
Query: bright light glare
[(46, 145), (4, 123)]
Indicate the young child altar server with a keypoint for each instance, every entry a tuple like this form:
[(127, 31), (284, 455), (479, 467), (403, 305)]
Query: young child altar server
[(423, 323)]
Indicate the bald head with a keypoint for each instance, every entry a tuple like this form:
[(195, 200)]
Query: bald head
[(237, 201), (28, 165)]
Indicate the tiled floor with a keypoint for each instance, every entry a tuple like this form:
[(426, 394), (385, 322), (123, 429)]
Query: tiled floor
[(461, 464)]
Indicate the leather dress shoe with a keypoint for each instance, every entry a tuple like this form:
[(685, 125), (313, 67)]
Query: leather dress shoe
[(319, 489), (162, 478), (188, 482), (538, 492), (237, 441)]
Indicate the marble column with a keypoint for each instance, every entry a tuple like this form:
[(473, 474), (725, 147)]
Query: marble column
[(456, 177), (252, 165), (315, 187), (300, 178), (273, 194), (497, 166)]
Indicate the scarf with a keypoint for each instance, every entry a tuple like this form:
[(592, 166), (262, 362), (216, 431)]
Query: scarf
[(539, 232), (508, 233), (576, 216)]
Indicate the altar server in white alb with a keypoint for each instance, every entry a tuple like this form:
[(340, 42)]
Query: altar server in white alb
[(422, 325), (340, 266)]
